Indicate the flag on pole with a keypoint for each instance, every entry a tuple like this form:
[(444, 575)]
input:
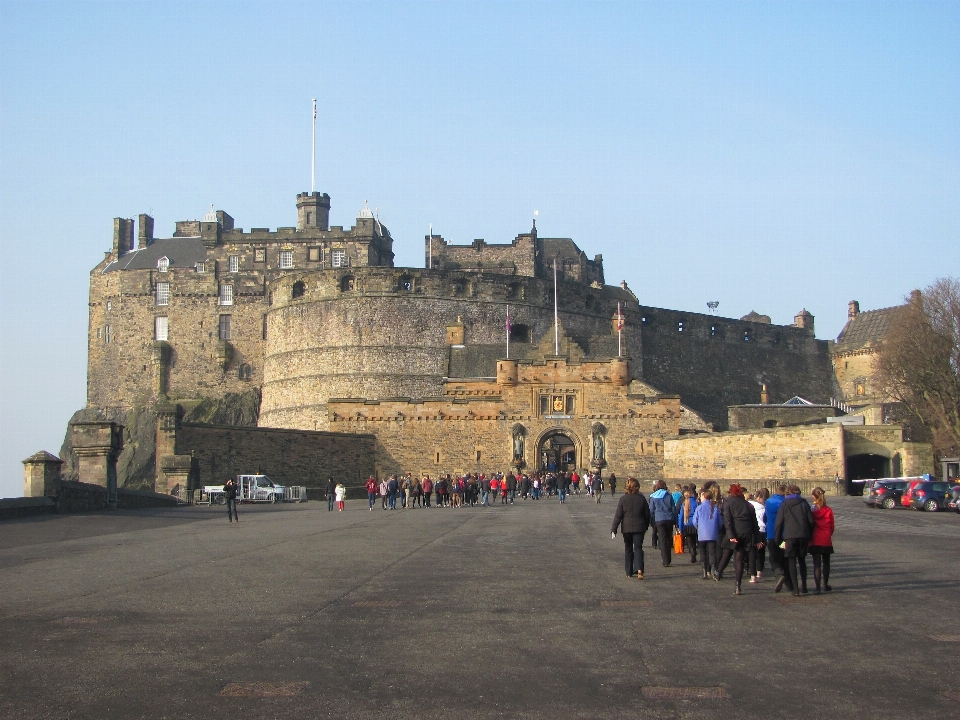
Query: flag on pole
[(314, 109), (508, 332), (619, 318)]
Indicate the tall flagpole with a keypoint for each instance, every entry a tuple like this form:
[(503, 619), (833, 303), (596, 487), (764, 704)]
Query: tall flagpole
[(619, 331), (508, 332), (556, 326), (430, 261), (313, 149)]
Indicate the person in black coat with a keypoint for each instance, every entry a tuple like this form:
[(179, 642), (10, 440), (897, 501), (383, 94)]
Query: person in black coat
[(230, 494), (633, 518), (740, 520), (793, 529), (331, 494)]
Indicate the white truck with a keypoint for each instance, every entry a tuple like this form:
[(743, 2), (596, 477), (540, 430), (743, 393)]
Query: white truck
[(250, 488)]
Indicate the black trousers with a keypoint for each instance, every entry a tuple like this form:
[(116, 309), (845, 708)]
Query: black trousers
[(665, 540), (708, 553), (776, 561), (633, 552)]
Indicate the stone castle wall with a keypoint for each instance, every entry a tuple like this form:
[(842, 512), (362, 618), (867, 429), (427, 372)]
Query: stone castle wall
[(795, 453), (711, 366), (386, 335), (288, 457)]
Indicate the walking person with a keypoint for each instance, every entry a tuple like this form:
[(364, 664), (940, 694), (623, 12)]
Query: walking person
[(612, 482), (688, 506), (383, 493), (633, 518), (341, 493), (371, 492), (230, 493), (740, 520), (706, 518), (771, 510), (821, 541), (663, 510), (392, 487), (331, 493), (793, 529), (597, 486), (407, 487), (757, 501)]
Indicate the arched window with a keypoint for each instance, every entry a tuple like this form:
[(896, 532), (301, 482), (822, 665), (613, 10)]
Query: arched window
[(769, 423), (405, 283), (298, 289), (163, 264), (346, 283), (245, 371)]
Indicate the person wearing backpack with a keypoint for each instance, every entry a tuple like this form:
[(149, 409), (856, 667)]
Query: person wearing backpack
[(663, 510)]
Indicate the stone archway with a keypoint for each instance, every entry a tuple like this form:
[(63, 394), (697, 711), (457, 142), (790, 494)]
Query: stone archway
[(559, 449)]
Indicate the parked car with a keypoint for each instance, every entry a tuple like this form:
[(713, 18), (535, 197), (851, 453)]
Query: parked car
[(929, 496), (953, 498), (912, 483), (886, 493)]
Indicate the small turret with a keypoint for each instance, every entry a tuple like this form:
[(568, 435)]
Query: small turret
[(313, 211)]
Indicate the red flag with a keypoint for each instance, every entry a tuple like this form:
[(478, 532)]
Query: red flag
[(619, 318)]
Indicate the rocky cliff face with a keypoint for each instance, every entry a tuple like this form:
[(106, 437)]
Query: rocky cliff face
[(136, 466)]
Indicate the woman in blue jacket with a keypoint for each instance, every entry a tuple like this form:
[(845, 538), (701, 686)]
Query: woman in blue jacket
[(707, 521), (663, 510)]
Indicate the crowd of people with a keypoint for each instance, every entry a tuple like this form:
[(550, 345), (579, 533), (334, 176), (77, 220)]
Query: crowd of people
[(710, 526), (448, 491), (748, 528)]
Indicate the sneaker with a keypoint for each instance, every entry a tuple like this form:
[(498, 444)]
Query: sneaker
[(759, 575), (639, 574), (753, 579)]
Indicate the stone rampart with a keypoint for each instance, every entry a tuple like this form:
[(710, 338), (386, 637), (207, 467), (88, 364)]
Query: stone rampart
[(288, 457)]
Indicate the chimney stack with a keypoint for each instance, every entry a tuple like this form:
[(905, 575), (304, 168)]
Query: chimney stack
[(764, 395), (145, 231), (853, 309), (122, 236)]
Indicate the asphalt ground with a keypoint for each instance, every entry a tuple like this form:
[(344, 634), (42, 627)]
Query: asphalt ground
[(521, 611)]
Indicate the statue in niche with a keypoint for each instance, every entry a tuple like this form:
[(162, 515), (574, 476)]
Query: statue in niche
[(517, 446), (598, 446)]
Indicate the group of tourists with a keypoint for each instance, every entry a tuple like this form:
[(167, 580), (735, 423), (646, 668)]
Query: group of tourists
[(743, 526), (448, 491)]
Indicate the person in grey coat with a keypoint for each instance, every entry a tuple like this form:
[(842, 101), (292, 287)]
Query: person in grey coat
[(633, 518)]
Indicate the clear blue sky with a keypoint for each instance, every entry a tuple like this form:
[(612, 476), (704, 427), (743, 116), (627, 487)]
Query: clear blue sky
[(772, 156)]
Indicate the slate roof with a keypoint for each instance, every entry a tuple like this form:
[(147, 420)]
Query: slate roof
[(865, 329), (559, 247), (182, 253)]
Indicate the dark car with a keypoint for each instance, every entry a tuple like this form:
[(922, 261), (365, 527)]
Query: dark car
[(953, 498), (886, 493), (913, 483), (930, 496)]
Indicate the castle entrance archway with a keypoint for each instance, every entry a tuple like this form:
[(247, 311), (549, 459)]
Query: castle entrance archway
[(558, 450)]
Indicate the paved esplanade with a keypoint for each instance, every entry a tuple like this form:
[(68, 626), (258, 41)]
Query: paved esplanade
[(517, 611)]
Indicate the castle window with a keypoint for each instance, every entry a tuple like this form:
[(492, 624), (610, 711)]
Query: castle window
[(99, 333), (571, 400), (226, 294), (234, 261), (459, 287), (680, 326), (515, 290), (107, 334), (347, 283), (264, 327), (713, 331), (746, 336), (298, 289), (769, 423), (163, 293), (245, 372), (260, 255), (201, 267), (861, 389), (338, 258), (286, 259), (405, 283), (309, 218), (161, 327), (519, 333), (163, 264), (109, 305), (224, 329), (313, 254), (544, 405)]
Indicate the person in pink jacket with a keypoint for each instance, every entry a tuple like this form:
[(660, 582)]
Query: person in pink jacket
[(821, 542)]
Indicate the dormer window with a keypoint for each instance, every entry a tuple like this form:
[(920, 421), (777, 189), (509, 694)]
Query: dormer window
[(163, 264), (201, 267)]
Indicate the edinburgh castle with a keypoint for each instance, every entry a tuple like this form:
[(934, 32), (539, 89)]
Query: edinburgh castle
[(303, 352)]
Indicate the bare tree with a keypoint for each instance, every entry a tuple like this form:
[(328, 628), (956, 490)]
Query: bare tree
[(919, 361)]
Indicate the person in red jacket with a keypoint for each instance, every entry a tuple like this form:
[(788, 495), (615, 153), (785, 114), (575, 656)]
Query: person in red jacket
[(821, 542)]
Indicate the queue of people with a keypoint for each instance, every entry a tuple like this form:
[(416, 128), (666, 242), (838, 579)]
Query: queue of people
[(408, 492), (740, 526)]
